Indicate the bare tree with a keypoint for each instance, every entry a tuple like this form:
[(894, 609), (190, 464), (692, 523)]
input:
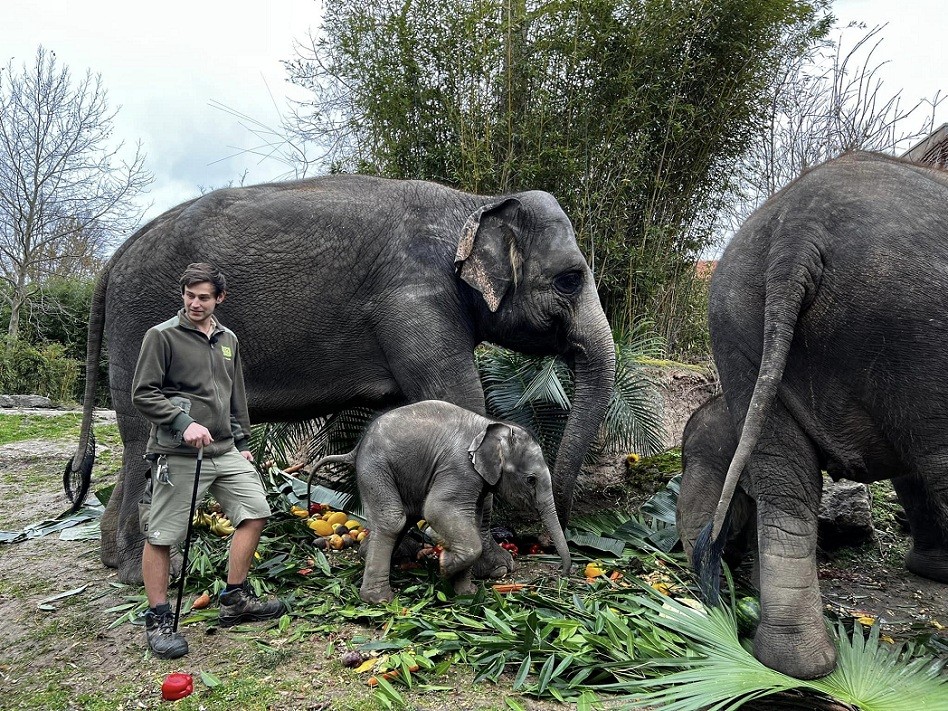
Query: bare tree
[(66, 191), (824, 103)]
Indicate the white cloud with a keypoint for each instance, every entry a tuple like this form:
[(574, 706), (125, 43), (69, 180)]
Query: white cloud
[(163, 64)]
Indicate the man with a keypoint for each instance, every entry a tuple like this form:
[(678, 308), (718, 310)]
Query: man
[(188, 383)]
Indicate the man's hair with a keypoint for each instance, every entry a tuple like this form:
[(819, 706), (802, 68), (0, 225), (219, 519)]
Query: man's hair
[(199, 272)]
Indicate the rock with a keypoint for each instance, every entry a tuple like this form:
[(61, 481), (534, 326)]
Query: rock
[(683, 391), (845, 514), (25, 401)]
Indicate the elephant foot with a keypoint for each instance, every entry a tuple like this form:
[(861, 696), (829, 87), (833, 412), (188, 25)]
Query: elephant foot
[(798, 651), (129, 560), (928, 563), (464, 586), (494, 562), (376, 596)]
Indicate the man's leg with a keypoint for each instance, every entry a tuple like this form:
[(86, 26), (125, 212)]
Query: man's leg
[(156, 567), (163, 641), (242, 547), (238, 601), (238, 488)]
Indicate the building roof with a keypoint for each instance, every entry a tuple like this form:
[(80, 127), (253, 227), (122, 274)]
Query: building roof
[(932, 150)]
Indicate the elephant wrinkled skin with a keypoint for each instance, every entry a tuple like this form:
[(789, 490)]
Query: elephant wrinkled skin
[(436, 461), (350, 290), (829, 331)]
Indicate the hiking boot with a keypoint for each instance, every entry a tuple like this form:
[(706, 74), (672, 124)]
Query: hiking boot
[(242, 605), (162, 640)]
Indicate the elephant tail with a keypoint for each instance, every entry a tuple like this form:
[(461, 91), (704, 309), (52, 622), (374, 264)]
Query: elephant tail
[(78, 473), (792, 270), (348, 458)]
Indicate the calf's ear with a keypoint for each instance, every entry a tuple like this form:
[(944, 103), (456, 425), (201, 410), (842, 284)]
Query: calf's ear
[(489, 451)]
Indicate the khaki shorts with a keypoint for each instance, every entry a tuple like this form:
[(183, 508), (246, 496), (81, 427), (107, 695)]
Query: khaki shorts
[(230, 478)]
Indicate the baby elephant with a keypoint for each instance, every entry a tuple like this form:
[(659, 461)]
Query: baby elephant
[(437, 461)]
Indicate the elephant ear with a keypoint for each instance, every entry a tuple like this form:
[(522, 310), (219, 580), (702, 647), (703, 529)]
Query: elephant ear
[(487, 257), (489, 450)]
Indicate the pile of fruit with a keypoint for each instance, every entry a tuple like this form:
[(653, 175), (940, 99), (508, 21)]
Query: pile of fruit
[(335, 530), (213, 519)]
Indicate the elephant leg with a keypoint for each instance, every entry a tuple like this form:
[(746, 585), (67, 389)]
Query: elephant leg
[(494, 561), (121, 538), (927, 511), (386, 517), (461, 542), (791, 636)]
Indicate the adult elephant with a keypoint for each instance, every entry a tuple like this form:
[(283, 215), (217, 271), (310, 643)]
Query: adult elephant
[(350, 290), (829, 330)]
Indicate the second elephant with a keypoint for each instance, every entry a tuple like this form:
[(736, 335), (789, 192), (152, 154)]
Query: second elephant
[(437, 461)]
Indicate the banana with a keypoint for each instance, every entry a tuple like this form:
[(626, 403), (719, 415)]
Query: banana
[(222, 527)]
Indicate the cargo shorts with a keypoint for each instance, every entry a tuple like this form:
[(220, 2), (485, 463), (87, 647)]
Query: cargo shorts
[(231, 479)]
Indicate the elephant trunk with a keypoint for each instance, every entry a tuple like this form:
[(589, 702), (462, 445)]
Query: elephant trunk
[(594, 368), (547, 512)]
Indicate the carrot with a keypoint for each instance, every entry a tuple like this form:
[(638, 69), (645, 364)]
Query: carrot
[(389, 675), (508, 587)]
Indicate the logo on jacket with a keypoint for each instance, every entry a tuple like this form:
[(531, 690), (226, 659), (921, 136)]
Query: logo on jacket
[(227, 352)]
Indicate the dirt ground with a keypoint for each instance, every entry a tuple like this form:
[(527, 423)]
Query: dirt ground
[(50, 658)]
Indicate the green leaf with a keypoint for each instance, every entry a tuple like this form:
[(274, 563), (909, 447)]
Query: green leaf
[(522, 674), (598, 543), (209, 680), (44, 603)]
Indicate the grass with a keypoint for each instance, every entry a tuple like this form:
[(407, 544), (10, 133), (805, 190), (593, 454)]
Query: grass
[(17, 428)]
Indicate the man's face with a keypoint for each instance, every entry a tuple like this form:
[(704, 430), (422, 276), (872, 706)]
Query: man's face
[(200, 302)]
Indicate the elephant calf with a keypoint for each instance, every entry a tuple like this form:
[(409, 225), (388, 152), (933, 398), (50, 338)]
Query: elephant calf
[(707, 447), (438, 461)]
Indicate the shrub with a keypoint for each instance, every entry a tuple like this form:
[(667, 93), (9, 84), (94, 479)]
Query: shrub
[(45, 369)]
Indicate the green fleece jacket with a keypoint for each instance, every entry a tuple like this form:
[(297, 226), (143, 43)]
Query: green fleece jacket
[(182, 377)]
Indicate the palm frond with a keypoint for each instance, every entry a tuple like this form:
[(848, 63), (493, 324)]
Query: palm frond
[(537, 392), (280, 441), (339, 432), (878, 677), (547, 384), (720, 675)]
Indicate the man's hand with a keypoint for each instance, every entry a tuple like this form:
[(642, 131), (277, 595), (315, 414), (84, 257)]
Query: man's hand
[(247, 455), (197, 436)]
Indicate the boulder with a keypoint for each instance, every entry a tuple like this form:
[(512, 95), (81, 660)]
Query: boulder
[(25, 401), (845, 514)]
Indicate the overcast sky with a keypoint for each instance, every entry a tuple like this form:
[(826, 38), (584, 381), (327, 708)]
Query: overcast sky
[(165, 63)]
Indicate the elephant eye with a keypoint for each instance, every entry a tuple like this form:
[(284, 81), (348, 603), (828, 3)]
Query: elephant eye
[(568, 283)]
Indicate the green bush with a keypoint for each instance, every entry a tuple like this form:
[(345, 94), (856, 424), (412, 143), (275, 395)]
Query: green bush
[(690, 340), (45, 369)]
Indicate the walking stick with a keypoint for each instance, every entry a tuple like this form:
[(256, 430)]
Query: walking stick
[(187, 538)]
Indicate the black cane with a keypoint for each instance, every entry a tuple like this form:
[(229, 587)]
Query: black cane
[(187, 538)]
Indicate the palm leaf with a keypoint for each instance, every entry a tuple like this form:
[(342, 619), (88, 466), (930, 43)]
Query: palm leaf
[(634, 421), (280, 441), (536, 393), (720, 675), (547, 385), (876, 677)]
